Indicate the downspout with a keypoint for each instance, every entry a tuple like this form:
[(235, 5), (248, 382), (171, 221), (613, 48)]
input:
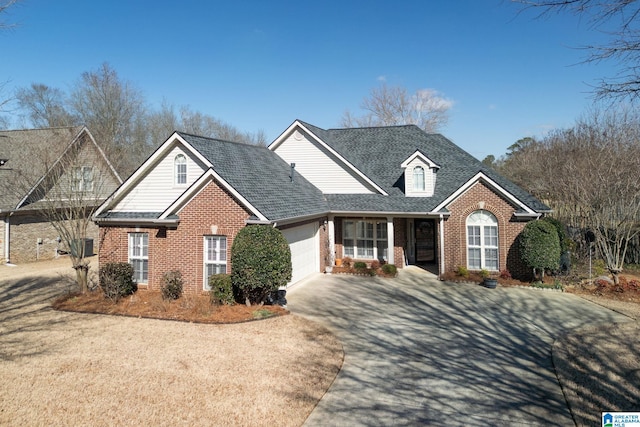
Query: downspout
[(441, 223)]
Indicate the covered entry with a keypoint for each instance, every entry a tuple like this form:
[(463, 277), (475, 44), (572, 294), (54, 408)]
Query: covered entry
[(422, 246)]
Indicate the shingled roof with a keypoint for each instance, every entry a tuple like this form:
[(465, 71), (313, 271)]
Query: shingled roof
[(28, 153), (378, 152), (262, 177)]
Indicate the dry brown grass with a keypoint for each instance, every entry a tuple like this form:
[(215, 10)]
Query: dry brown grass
[(61, 368)]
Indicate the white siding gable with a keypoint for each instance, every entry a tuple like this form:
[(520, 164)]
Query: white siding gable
[(157, 189), (411, 187), (319, 166)]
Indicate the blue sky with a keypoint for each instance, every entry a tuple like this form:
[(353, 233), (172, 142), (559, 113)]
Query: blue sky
[(259, 65)]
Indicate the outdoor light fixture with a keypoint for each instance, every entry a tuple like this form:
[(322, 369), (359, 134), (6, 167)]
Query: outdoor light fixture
[(3, 161)]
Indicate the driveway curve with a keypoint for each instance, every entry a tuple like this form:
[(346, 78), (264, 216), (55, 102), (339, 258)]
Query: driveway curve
[(422, 351)]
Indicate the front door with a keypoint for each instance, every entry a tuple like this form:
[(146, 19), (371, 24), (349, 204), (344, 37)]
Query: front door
[(425, 241)]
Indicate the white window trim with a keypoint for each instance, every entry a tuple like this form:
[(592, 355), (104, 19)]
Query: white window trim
[(205, 253), (416, 187), (140, 257), (179, 160), (382, 222), (79, 183), (483, 247)]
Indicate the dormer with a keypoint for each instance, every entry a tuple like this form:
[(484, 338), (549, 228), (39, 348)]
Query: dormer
[(419, 175)]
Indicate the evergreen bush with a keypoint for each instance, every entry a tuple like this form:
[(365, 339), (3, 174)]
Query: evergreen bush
[(172, 285), (221, 290), (389, 269), (540, 247), (261, 262), (116, 280)]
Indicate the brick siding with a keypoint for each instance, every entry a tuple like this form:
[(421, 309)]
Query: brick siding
[(479, 196)]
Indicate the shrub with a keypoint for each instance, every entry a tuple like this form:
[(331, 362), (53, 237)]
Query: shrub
[(462, 271), (116, 280), (389, 269), (221, 290), (375, 264), (359, 265), (540, 246), (346, 262), (172, 285), (484, 273), (599, 267), (261, 262), (561, 230)]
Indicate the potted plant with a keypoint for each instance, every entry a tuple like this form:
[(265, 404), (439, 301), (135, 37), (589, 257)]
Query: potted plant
[(488, 281)]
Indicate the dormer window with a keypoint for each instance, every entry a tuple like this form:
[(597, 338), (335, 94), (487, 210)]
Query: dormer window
[(180, 163), (419, 175), (418, 178)]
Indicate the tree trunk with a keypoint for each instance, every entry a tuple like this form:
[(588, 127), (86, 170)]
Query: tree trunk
[(82, 276)]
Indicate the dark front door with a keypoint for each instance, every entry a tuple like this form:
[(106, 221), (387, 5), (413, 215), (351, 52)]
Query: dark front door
[(425, 241)]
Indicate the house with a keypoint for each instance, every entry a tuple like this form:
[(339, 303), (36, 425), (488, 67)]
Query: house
[(396, 194), (44, 172)]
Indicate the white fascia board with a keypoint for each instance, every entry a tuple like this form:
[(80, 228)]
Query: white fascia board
[(104, 156), (357, 171), (422, 157), (197, 186), (481, 176), (160, 152)]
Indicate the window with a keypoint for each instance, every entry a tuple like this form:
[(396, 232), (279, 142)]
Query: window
[(482, 241), (418, 178), (180, 163), (215, 257), (365, 239), (82, 179), (139, 256)]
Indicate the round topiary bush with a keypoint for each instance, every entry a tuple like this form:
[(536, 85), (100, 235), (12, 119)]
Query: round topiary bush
[(172, 285), (261, 262), (540, 247), (116, 280)]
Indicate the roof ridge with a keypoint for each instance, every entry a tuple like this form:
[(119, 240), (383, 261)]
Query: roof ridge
[(40, 129), (210, 138)]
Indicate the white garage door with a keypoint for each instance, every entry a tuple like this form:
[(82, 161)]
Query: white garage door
[(305, 251)]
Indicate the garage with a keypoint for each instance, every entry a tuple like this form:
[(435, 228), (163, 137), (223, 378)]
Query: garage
[(305, 251)]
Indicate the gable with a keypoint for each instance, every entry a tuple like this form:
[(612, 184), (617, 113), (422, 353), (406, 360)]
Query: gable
[(319, 165), (156, 189), (419, 177)]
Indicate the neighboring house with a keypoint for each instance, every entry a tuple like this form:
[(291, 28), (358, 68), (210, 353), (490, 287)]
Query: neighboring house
[(41, 169), (396, 194)]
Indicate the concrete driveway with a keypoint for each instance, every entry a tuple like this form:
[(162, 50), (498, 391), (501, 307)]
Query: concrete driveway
[(420, 351)]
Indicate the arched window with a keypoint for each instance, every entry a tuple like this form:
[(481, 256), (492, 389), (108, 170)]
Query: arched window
[(418, 178), (180, 163), (482, 241)]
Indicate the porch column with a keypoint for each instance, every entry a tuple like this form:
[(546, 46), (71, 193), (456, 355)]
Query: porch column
[(390, 241), (331, 234)]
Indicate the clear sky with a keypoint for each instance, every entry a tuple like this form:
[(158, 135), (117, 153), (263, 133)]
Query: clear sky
[(259, 65)]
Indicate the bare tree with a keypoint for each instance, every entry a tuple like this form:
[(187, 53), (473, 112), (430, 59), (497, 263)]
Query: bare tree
[(114, 110), (74, 180), (45, 106), (588, 175), (4, 5), (393, 105), (616, 18)]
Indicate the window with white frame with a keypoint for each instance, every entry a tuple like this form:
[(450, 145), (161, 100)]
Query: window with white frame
[(365, 239), (180, 163), (139, 256), (82, 179), (418, 178), (482, 241), (215, 257)]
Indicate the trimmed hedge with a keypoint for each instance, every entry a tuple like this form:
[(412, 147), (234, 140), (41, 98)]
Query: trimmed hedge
[(261, 262), (540, 246), (116, 280)]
